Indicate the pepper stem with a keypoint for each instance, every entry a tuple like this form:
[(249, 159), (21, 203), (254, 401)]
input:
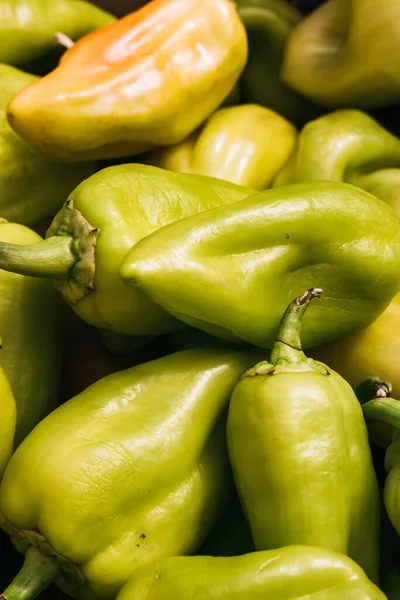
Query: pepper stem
[(378, 406), (287, 346), (371, 388), (52, 258), (36, 574)]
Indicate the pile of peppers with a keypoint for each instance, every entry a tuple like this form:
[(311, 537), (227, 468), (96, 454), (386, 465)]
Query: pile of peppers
[(200, 300)]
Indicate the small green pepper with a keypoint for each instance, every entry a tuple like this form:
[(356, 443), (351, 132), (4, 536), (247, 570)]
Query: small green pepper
[(32, 187), (347, 145), (31, 327), (346, 53), (291, 573), (298, 446), (28, 28), (268, 25), (132, 470), (245, 144), (240, 264)]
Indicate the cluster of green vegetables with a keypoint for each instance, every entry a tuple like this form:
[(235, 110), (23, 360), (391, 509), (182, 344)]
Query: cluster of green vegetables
[(189, 197)]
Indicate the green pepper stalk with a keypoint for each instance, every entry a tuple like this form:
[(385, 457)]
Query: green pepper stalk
[(37, 572), (298, 446)]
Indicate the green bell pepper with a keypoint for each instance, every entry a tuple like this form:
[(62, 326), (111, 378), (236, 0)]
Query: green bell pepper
[(391, 584), (293, 573), (102, 219), (31, 327), (268, 25), (240, 264), (28, 27), (32, 187), (346, 53), (132, 470), (347, 145), (298, 446), (245, 144)]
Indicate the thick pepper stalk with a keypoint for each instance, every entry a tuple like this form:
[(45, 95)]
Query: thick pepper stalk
[(146, 80), (31, 327), (28, 28), (347, 145), (346, 53), (293, 573), (240, 264), (298, 446), (102, 219), (32, 187), (245, 144), (268, 25), (132, 470)]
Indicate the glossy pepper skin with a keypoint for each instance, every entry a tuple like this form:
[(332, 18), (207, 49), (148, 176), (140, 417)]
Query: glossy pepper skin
[(32, 187), (132, 470), (28, 28), (103, 218), (298, 446), (347, 145), (245, 144), (262, 250), (268, 25), (31, 327), (371, 350), (292, 573), (148, 79), (8, 413), (346, 53)]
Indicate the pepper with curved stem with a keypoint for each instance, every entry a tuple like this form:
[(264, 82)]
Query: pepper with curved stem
[(291, 423)]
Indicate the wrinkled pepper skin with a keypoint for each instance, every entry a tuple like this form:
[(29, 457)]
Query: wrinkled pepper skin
[(31, 327), (32, 187), (346, 53), (264, 249), (245, 144), (298, 446), (146, 80), (28, 27), (103, 218), (292, 573), (268, 25), (371, 350), (132, 470), (8, 412), (347, 145)]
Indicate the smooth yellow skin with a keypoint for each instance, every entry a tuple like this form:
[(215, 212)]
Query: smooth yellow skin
[(371, 351), (8, 420), (31, 328), (146, 80), (245, 144), (298, 446), (346, 53), (131, 470), (291, 573)]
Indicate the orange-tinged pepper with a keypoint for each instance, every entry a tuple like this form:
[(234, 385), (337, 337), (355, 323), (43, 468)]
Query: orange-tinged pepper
[(146, 80)]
